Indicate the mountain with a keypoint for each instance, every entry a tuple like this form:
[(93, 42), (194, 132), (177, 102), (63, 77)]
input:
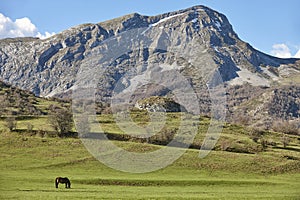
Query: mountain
[(198, 42)]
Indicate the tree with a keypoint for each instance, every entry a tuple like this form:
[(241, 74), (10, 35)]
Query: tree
[(61, 120), (11, 123), (285, 141), (29, 127), (286, 127), (255, 134), (264, 143)]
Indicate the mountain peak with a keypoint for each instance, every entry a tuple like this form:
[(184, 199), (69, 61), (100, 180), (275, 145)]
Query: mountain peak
[(49, 66)]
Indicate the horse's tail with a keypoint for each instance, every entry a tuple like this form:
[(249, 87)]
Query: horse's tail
[(56, 182)]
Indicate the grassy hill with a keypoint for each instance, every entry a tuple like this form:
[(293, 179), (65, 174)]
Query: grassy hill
[(26, 108), (245, 164)]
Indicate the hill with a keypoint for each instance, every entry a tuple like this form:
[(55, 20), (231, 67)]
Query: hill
[(14, 101), (244, 164), (17, 102)]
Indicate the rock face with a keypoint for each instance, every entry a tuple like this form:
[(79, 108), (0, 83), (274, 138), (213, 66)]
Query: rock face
[(262, 107), (49, 67)]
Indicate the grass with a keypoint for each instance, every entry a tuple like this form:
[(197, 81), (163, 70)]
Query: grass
[(29, 164), (29, 167), (292, 79)]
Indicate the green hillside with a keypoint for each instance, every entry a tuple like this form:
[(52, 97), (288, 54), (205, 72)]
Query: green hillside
[(246, 163)]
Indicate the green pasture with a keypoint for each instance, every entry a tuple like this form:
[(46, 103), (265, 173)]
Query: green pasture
[(29, 165)]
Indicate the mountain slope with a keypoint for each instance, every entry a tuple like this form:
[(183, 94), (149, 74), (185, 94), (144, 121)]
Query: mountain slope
[(47, 66), (196, 42)]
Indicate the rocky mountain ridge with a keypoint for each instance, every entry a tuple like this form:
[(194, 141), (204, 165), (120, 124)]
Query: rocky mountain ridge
[(49, 67)]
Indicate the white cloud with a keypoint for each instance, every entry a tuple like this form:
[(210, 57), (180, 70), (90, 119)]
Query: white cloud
[(46, 35), (297, 55), (19, 28), (283, 51)]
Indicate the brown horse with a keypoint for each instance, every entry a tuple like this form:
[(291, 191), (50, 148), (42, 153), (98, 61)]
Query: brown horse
[(62, 180)]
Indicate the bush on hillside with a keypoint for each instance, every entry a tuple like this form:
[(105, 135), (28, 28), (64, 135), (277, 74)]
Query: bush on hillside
[(11, 123), (61, 120), (256, 134), (287, 127)]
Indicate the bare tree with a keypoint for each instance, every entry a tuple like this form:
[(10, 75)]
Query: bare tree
[(285, 141), (286, 127), (29, 127), (11, 123), (256, 134), (61, 120)]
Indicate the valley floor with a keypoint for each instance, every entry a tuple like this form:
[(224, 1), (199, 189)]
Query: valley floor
[(29, 166)]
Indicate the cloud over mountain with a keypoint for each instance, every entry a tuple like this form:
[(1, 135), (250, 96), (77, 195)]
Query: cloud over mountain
[(283, 51), (22, 27), (297, 54)]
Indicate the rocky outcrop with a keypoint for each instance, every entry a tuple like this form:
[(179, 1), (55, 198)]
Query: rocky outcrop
[(159, 104), (285, 103)]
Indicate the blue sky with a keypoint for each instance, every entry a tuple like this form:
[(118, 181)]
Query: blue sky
[(272, 26)]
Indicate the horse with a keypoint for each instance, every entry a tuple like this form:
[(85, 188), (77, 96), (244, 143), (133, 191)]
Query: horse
[(62, 180)]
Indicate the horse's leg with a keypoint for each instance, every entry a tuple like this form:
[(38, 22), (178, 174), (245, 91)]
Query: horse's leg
[(56, 183), (66, 185)]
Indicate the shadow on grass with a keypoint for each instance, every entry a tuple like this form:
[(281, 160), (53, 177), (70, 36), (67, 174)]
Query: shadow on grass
[(287, 148), (120, 182)]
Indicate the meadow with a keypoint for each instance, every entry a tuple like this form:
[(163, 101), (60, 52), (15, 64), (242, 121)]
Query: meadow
[(30, 163)]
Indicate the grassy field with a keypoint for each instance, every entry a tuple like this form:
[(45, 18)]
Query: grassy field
[(239, 167), (29, 165)]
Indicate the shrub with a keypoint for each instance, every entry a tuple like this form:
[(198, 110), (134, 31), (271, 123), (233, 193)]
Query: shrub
[(285, 126), (164, 137), (264, 143), (41, 133), (106, 110), (11, 123), (256, 134), (225, 144), (285, 141), (241, 119), (29, 127), (61, 120), (272, 143)]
